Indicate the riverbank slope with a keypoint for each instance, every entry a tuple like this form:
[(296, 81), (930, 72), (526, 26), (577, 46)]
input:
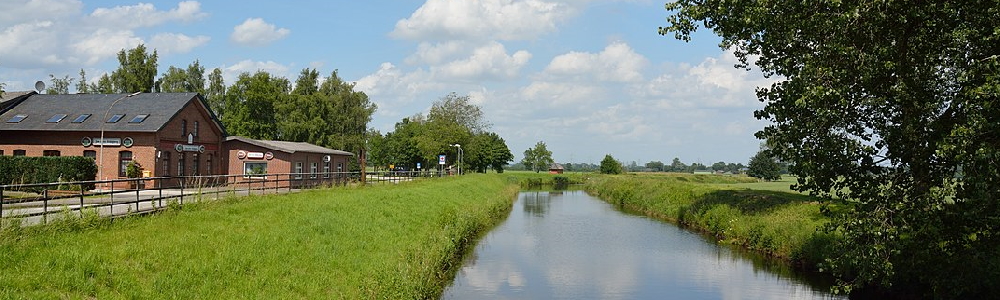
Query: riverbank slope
[(399, 242), (764, 217)]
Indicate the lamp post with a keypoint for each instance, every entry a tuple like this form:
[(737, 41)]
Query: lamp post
[(100, 166), (459, 157)]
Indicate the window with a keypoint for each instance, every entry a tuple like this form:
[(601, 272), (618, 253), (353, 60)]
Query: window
[(56, 118), (180, 164), (1, 152), (254, 169), (124, 157), (165, 157), (196, 165), (210, 167), (184, 128), (17, 119), (90, 154), (50, 153), (138, 119), (313, 168), (81, 118), (326, 170), (115, 118), (196, 128), (19, 153), (298, 170)]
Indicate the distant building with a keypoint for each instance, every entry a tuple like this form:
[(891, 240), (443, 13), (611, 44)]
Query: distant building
[(556, 169)]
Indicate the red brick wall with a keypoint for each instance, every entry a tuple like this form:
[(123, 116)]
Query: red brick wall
[(282, 162), (145, 148)]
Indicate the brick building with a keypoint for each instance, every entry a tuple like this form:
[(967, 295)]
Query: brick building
[(312, 164), (166, 133)]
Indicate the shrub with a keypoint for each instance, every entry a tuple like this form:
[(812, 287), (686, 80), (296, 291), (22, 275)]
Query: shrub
[(28, 170)]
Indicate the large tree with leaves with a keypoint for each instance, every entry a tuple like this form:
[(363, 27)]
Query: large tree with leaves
[(250, 105), (892, 108), (136, 71), (537, 158)]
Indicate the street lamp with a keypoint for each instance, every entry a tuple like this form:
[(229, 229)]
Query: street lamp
[(459, 157), (100, 166)]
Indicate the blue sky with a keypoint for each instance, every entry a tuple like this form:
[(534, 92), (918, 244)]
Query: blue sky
[(588, 77)]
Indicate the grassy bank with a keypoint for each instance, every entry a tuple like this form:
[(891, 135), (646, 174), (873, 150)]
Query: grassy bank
[(400, 242), (529, 179), (765, 217)]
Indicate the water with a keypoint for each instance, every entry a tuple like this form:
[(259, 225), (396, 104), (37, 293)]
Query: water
[(569, 245)]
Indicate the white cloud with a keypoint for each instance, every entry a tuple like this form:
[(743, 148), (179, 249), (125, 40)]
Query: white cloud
[(482, 20), (28, 11), (169, 43), (249, 66), (256, 32), (146, 15), (105, 43), (437, 53), (617, 62), (713, 83), (487, 62)]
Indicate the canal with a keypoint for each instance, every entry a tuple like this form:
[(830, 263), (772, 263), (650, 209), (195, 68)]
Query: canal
[(570, 245)]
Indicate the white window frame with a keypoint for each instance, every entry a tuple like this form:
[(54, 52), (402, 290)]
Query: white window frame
[(247, 165), (298, 170)]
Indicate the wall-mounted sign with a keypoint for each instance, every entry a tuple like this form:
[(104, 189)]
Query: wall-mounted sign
[(241, 154), (87, 142), (127, 142), (189, 148), (113, 142), (268, 155), (326, 158), (255, 155)]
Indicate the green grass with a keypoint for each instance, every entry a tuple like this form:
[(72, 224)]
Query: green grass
[(766, 217), (395, 241)]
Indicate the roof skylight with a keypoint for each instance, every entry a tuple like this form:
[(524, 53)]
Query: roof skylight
[(81, 118), (138, 119), (17, 119), (56, 118), (116, 118)]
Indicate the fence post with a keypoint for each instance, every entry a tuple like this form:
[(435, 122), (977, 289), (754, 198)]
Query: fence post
[(45, 206), (111, 208), (181, 179), (81, 200), (1, 205), (159, 189)]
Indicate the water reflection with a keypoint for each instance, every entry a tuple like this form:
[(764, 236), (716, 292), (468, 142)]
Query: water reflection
[(572, 246)]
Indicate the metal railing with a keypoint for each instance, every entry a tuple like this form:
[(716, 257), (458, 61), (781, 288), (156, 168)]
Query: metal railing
[(41, 203)]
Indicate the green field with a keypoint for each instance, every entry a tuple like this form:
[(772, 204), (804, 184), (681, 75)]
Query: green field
[(767, 217), (400, 241)]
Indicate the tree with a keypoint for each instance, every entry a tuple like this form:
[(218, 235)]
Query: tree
[(719, 166), (889, 107), (763, 166), (216, 93), (177, 80), (655, 166), (250, 105), (538, 158), (59, 85), (677, 166), (348, 114), (81, 86), (457, 109), (136, 71), (609, 165), (488, 150), (102, 86), (308, 82)]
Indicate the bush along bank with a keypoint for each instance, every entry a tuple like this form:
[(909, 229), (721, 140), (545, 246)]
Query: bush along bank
[(400, 241), (778, 224)]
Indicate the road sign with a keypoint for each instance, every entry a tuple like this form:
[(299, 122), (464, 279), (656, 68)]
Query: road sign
[(418, 166), (441, 159)]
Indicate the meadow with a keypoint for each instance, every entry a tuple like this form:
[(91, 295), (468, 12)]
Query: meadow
[(399, 241), (766, 217)]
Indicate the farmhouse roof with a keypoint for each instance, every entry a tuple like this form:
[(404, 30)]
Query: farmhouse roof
[(39, 112), (288, 147), (555, 166)]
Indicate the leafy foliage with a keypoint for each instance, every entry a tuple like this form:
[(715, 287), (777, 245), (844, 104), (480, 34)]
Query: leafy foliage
[(136, 71), (891, 107), (59, 86), (610, 165), (27, 170), (537, 158), (763, 166), (249, 109)]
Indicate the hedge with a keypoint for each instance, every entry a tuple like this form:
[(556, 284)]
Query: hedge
[(27, 170)]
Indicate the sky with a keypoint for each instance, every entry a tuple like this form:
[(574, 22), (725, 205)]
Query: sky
[(587, 77)]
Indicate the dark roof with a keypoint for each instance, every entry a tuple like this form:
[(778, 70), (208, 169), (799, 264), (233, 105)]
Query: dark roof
[(161, 107), (288, 147), (12, 98), (556, 166)]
